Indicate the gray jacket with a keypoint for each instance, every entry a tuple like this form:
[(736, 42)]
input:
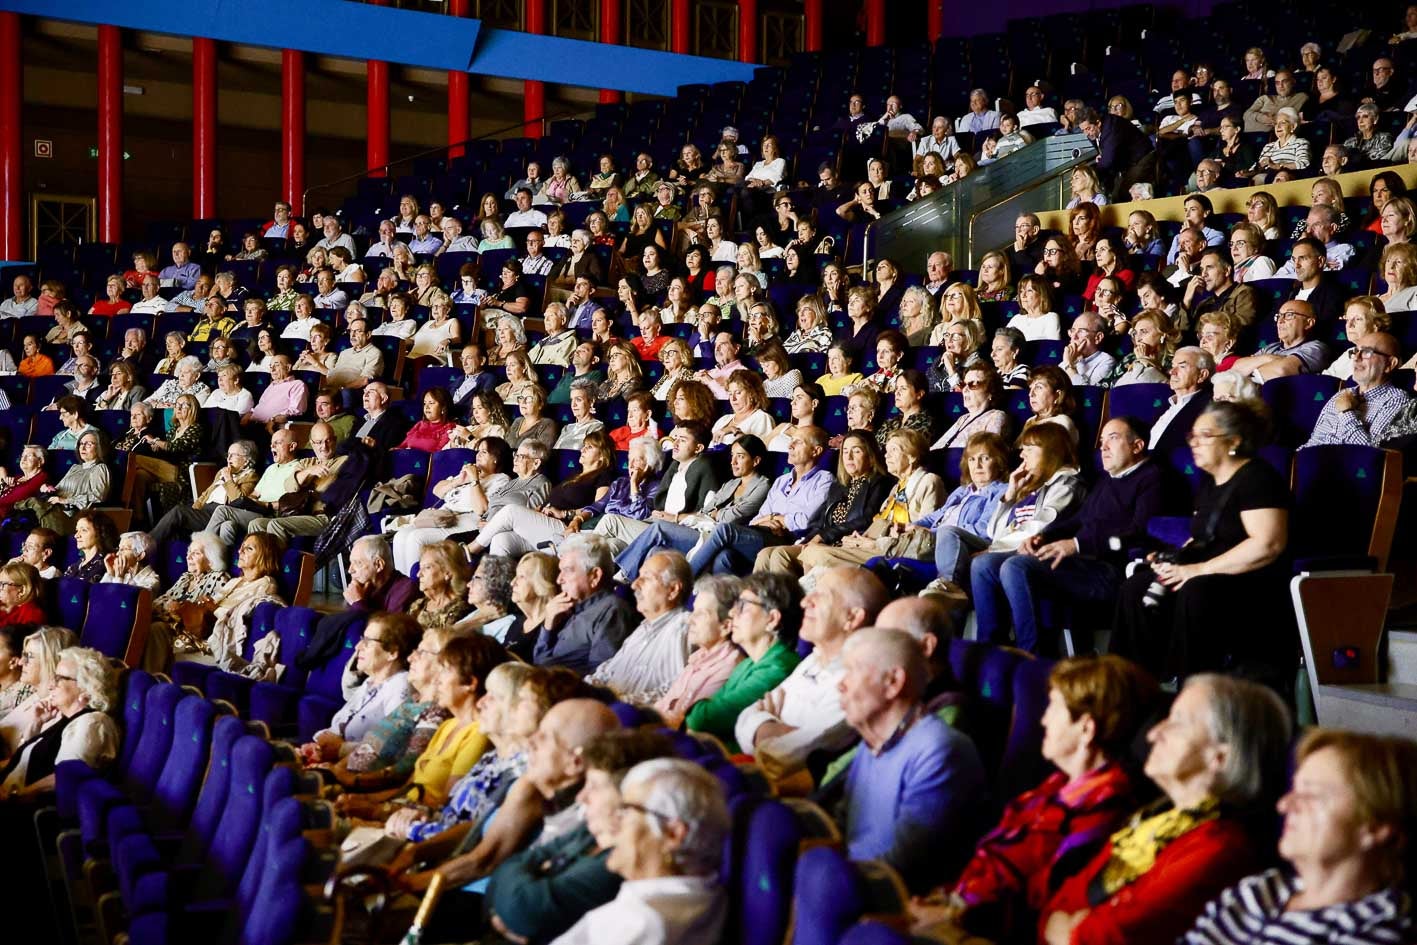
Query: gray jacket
[(720, 506)]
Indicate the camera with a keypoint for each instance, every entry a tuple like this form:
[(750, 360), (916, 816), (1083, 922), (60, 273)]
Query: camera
[(1156, 591)]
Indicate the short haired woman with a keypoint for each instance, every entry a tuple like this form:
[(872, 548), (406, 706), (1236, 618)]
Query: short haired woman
[(961, 524), (748, 402), (1050, 397), (24, 483), (812, 333), (714, 655), (1154, 339), (839, 376), (214, 630), (982, 392), (1247, 245), (489, 595), (131, 563), (382, 656), (443, 572), (1036, 318), (203, 580), (960, 341), (1399, 273), (532, 588), (83, 486), (1362, 315)]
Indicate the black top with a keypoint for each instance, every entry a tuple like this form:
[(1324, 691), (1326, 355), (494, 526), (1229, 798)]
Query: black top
[(580, 492), (1216, 526)]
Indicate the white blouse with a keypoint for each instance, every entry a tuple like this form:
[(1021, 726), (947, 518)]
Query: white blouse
[(368, 706), (430, 337), (91, 738), (1045, 327)]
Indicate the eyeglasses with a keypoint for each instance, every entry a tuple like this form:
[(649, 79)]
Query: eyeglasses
[(369, 639), (1368, 352), (975, 385), (1285, 316), (742, 602), (1201, 436), (647, 811)]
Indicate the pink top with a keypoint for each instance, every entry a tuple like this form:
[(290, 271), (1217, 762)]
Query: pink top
[(705, 674), (427, 436), (285, 399)]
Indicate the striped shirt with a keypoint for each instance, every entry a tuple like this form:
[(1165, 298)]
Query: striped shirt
[(1252, 912)]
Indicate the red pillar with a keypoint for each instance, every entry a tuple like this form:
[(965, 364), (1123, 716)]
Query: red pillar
[(203, 128), (610, 33), (534, 91), (292, 128), (875, 22), (110, 135), (935, 20), (679, 26), (747, 30), (11, 159), (377, 146), (458, 121), (812, 25)]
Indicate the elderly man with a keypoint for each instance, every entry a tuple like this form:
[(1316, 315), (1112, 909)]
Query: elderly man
[(938, 266), (541, 804), (278, 227), (532, 181), (335, 235), (1360, 415), (1208, 174), (1125, 155), (183, 272), (1084, 361), (135, 344), (1381, 90), (453, 239), (526, 215), (1322, 225), (327, 295), (940, 140), (23, 302), (152, 302), (194, 298), (980, 118), (85, 385), (581, 262), (425, 241), (915, 793), (1312, 282), (313, 474), (793, 499), (359, 364), (385, 284), (386, 244), (1078, 558), (725, 362), (234, 482), (1189, 243), (560, 341), (584, 361), (803, 714), (1035, 112), (1027, 250), (1191, 371), (586, 623), (382, 428), (664, 206), (1215, 290), (230, 522), (373, 583), (932, 624), (1259, 117), (1296, 351), (535, 262), (654, 655)]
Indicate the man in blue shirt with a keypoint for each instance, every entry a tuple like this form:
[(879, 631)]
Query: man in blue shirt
[(183, 272), (916, 790)]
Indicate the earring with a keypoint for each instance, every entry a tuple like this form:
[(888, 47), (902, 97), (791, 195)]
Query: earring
[(1233, 452)]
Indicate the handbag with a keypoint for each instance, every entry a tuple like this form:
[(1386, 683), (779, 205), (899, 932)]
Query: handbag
[(298, 502)]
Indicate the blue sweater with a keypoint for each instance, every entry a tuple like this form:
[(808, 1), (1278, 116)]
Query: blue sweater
[(1115, 507)]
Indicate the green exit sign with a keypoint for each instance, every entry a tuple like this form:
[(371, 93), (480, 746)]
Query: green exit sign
[(93, 153)]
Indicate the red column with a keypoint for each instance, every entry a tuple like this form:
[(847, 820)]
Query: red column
[(534, 91), (377, 147), (292, 128), (747, 30), (11, 159), (935, 20), (875, 22), (203, 128), (458, 122), (610, 33), (679, 26), (110, 135), (812, 25)]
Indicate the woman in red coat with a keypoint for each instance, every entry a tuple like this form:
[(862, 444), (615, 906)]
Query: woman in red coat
[(19, 586), (24, 484), (1219, 759), (431, 433), (1094, 707)]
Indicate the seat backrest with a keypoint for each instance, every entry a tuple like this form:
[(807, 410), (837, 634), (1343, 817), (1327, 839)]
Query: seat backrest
[(225, 857), (117, 620), (1370, 482), (274, 919), (295, 625), (155, 741), (828, 896), (280, 824), (211, 800), (1296, 402), (870, 932), (72, 601), (762, 859), (134, 686), (1022, 765), (176, 791), (324, 680), (1146, 402)]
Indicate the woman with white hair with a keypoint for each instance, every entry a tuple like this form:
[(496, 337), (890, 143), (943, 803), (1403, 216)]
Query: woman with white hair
[(1287, 150), (39, 660), (202, 581), (560, 185), (187, 381), (667, 848), (24, 483), (71, 724), (130, 563)]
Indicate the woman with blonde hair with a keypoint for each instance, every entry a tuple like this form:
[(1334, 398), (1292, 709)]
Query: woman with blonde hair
[(71, 724), (426, 284), (678, 365), (39, 660), (521, 375), (162, 474), (1142, 237), (1086, 187), (812, 333), (1218, 333), (214, 630), (443, 575), (1399, 273), (1262, 210), (959, 351), (1154, 341), (623, 372), (995, 278), (1362, 315)]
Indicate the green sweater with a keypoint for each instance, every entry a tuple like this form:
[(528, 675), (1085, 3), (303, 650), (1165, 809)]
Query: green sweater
[(542, 891), (749, 682)]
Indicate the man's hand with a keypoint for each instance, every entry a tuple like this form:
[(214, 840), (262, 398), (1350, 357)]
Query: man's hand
[(1056, 551), (354, 592), (1345, 400), (772, 701), (557, 609), (1070, 354)]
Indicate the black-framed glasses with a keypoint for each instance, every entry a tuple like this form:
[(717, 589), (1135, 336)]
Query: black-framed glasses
[(742, 602), (647, 811)]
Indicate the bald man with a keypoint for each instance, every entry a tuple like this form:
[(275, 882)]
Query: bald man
[(1360, 415), (541, 805), (803, 714)]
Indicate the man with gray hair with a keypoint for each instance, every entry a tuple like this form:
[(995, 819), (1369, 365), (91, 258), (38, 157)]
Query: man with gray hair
[(183, 272), (373, 583), (657, 652), (586, 623), (314, 474), (1322, 225), (915, 792), (1084, 361), (803, 714), (233, 482), (980, 118), (357, 365), (1191, 371)]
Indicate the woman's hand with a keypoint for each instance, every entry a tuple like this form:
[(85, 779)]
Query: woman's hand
[(400, 821), (1175, 576), (1016, 480), (1059, 930)]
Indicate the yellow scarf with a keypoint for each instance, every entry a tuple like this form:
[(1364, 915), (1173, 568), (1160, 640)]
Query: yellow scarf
[(896, 511), (1136, 846)]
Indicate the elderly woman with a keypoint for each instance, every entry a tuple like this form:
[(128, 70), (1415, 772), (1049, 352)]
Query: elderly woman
[(1247, 244), (464, 498), (1094, 706), (26, 483), (1218, 333), (1219, 597), (560, 186), (1006, 352), (530, 591), (131, 563), (443, 572), (72, 414), (1286, 151), (123, 389), (85, 485), (1153, 343), (1036, 318), (839, 376), (516, 529), (862, 328), (381, 657), (670, 840), (230, 395), (489, 597), (735, 502), (961, 342), (436, 337), (748, 401), (1362, 315), (304, 319), (162, 474), (982, 390), (203, 580), (72, 724), (917, 315), (188, 380), (958, 303), (1399, 272), (221, 351), (34, 363), (39, 660), (214, 629), (890, 352), (860, 490), (583, 423), (318, 357), (639, 421), (532, 424), (812, 333), (714, 656), (510, 337), (909, 390), (1370, 141), (678, 364), (1347, 828), (521, 373), (1219, 759), (459, 678), (19, 588)]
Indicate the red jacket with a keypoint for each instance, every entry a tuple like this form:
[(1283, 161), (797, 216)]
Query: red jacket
[(1161, 904), (428, 436), (27, 613), (649, 350), (1015, 866), (20, 491)]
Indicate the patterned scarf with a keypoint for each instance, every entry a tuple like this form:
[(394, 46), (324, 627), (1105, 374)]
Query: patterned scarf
[(1136, 846), (843, 506)]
